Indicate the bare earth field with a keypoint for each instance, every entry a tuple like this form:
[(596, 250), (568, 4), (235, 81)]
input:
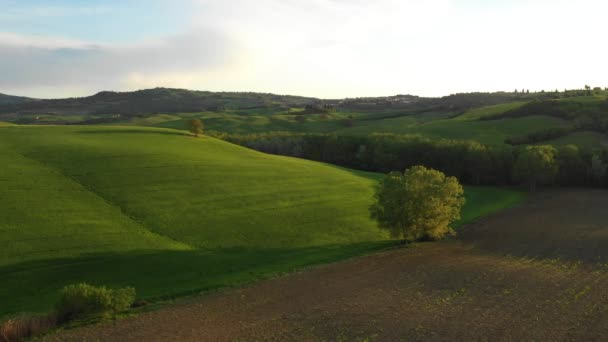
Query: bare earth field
[(535, 272)]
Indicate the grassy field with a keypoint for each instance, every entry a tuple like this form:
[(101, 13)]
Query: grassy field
[(172, 215), (489, 111), (432, 125), (246, 122), (584, 139), (487, 132)]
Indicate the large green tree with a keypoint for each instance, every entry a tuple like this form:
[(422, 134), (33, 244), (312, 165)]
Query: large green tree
[(536, 165), (419, 204)]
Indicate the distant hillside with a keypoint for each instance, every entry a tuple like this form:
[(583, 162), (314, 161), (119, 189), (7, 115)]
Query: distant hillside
[(520, 117), (152, 101), (11, 100), (168, 101)]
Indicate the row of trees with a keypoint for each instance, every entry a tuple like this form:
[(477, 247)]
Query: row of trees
[(469, 161), (587, 91)]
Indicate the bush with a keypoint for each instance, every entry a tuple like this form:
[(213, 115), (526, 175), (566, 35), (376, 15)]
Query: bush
[(24, 327), (122, 299), (84, 300)]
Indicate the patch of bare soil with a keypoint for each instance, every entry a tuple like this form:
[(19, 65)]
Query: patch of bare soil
[(558, 224), (500, 281)]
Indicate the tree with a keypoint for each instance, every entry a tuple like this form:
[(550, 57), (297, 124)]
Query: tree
[(536, 164), (419, 204), (195, 126), (477, 162), (572, 167), (598, 168)]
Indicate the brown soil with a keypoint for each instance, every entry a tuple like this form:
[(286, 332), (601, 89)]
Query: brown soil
[(500, 281)]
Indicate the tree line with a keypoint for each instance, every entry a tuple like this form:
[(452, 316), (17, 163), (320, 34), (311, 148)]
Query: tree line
[(469, 161)]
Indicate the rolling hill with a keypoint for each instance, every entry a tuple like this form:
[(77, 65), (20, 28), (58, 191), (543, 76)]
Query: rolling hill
[(149, 101), (13, 100), (172, 215), (489, 118)]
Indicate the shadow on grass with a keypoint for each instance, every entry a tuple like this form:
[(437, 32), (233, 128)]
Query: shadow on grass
[(34, 286), (132, 131)]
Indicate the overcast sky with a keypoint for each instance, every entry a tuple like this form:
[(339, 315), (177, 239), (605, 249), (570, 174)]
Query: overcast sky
[(323, 48)]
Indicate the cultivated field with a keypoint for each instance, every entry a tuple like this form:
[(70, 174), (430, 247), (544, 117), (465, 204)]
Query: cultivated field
[(533, 272), (172, 215)]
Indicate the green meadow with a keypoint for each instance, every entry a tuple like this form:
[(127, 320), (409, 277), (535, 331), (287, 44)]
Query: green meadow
[(433, 125), (173, 215)]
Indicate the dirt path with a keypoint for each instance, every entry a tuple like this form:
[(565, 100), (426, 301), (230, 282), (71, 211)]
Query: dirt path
[(500, 281)]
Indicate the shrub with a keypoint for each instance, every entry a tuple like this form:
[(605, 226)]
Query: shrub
[(24, 327), (122, 299), (84, 300)]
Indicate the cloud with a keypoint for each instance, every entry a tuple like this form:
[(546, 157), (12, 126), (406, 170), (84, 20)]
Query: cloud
[(47, 63)]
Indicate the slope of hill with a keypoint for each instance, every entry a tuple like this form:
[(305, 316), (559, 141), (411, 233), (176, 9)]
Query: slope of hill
[(149, 101), (170, 214), (12, 100)]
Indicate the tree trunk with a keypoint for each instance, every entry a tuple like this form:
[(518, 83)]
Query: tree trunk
[(533, 186)]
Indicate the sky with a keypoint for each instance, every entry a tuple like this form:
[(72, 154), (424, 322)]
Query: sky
[(321, 48)]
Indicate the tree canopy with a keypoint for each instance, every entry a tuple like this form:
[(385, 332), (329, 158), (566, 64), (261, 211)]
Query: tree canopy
[(419, 204), (536, 164), (195, 126)]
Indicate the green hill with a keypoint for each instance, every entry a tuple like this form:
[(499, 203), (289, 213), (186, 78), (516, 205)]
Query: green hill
[(13, 100), (170, 214), (490, 118), (149, 101), (514, 122)]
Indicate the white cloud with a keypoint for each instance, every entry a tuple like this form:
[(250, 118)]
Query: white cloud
[(49, 65)]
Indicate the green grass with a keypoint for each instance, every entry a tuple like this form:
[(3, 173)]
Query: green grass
[(489, 111), (440, 124), (488, 132), (483, 201), (240, 122), (432, 125), (170, 214), (584, 139)]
